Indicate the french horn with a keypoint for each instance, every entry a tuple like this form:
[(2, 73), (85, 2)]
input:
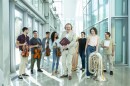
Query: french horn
[(96, 66)]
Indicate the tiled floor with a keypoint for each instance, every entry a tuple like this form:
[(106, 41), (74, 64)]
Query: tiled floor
[(121, 77)]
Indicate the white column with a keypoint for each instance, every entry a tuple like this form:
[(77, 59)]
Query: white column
[(12, 35), (109, 15), (128, 33), (5, 41)]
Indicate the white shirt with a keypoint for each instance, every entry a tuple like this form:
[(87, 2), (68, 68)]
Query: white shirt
[(46, 43), (56, 42), (67, 35)]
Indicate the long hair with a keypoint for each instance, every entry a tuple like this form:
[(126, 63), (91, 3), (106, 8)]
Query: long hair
[(53, 36), (95, 30)]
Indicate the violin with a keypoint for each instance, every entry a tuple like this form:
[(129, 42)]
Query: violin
[(58, 52), (25, 52), (48, 51), (37, 53)]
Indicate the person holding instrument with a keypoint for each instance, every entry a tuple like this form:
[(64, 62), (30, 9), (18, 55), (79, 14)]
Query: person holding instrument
[(23, 44), (46, 49), (35, 45)]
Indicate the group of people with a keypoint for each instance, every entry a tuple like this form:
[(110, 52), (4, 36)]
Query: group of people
[(69, 53)]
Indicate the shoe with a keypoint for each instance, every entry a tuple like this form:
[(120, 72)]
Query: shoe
[(39, 70), (70, 77), (53, 73), (105, 71), (25, 74), (56, 72), (111, 72), (81, 68), (20, 77), (63, 76), (31, 71), (88, 77)]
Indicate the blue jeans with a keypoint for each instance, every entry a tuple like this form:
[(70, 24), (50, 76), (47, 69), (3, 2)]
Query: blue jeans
[(89, 50), (82, 55), (55, 60)]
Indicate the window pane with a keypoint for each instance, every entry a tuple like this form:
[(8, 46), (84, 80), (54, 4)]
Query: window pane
[(103, 28), (40, 6), (94, 5), (121, 7), (101, 3), (84, 3), (88, 20), (18, 27), (89, 8), (88, 1), (30, 26), (36, 26), (101, 13), (30, 1), (85, 18), (40, 31), (103, 10), (94, 17), (35, 3)]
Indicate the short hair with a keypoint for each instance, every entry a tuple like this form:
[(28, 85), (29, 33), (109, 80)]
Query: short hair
[(70, 25), (34, 31), (83, 33), (24, 28), (108, 33), (93, 28), (47, 32)]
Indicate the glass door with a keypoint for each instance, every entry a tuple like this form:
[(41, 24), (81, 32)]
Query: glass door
[(120, 26)]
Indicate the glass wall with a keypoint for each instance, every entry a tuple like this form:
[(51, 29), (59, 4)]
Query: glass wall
[(18, 27), (97, 16), (103, 9), (103, 28), (89, 9), (85, 18)]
